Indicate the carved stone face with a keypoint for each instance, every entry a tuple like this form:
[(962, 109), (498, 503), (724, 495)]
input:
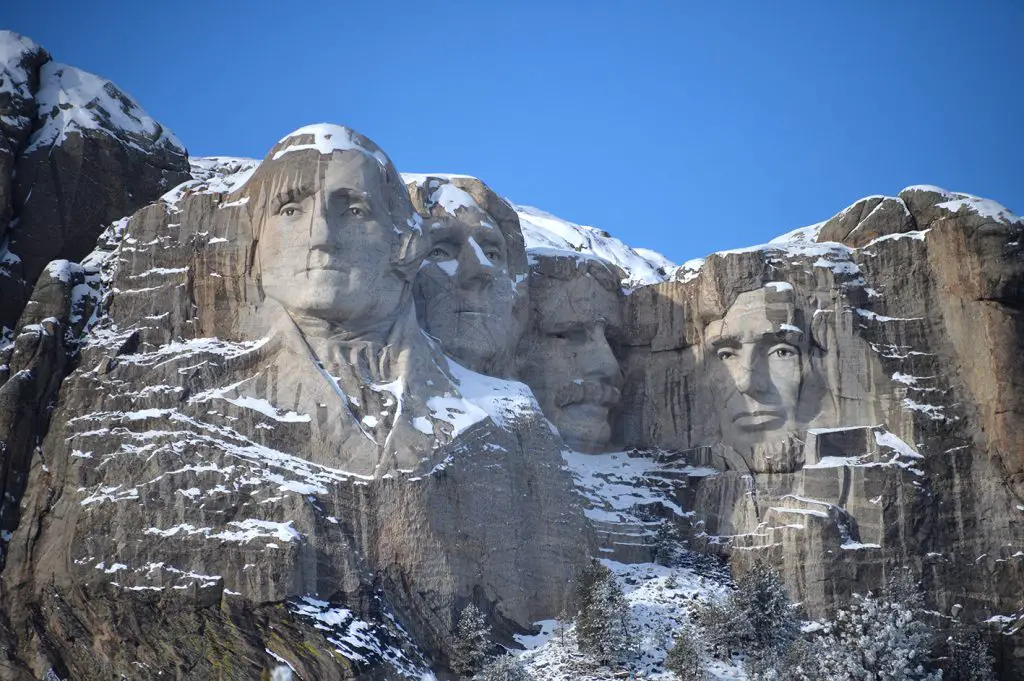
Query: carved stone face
[(757, 350), (325, 246), (568, 362), (467, 289)]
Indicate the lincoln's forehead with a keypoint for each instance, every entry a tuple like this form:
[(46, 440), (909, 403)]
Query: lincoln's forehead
[(755, 315)]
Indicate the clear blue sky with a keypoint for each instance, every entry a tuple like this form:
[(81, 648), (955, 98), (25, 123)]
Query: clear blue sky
[(683, 127)]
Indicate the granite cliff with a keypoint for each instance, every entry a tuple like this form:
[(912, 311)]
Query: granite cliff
[(305, 410)]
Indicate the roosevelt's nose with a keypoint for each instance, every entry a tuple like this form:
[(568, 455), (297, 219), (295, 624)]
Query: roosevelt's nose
[(601, 362), (475, 270)]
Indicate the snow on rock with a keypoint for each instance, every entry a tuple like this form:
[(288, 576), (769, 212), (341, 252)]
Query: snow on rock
[(361, 642), (328, 138), (986, 208), (70, 101), (14, 48), (616, 482), (221, 174), (550, 235)]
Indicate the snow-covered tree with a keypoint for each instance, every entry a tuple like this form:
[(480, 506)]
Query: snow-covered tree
[(685, 658), (717, 628), (603, 625), (757, 618), (469, 642), (503, 668), (967, 658), (669, 546), (802, 662), (880, 638), (768, 621)]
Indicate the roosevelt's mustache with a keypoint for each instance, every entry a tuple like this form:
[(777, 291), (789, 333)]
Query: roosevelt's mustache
[(587, 392)]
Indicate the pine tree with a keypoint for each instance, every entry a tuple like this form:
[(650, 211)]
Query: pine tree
[(880, 638), (668, 544), (503, 668), (469, 642), (717, 628), (685, 659), (757, 617), (603, 625), (968, 657), (768, 623)]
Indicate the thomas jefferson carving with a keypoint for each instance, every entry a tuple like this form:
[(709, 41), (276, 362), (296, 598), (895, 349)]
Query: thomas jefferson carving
[(471, 290)]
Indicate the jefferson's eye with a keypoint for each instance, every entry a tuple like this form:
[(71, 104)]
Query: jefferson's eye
[(356, 211), (438, 253), (289, 210)]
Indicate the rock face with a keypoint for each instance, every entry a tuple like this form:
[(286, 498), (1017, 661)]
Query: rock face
[(76, 154), (273, 457), (858, 385), (275, 417)]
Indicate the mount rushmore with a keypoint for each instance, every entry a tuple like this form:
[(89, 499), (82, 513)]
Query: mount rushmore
[(305, 410)]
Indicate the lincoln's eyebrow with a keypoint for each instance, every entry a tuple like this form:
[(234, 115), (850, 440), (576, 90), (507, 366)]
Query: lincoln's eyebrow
[(726, 342), (788, 336)]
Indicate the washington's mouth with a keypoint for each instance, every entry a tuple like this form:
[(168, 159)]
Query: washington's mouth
[(757, 420)]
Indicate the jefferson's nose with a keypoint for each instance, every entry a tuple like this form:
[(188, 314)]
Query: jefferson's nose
[(474, 268)]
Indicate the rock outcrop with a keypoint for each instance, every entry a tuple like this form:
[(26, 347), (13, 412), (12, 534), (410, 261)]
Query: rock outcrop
[(76, 154), (270, 457), (268, 412), (861, 398)]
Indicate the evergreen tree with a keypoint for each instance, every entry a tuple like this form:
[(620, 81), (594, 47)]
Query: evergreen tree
[(503, 668), (880, 638), (685, 659), (469, 642), (669, 545), (603, 625), (767, 623), (968, 657), (717, 628), (757, 618)]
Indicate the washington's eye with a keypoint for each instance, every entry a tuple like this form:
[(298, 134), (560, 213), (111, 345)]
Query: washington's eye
[(725, 354), (289, 210), (783, 352)]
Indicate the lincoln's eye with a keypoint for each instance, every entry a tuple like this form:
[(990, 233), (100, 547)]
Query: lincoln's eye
[(356, 211), (783, 352)]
